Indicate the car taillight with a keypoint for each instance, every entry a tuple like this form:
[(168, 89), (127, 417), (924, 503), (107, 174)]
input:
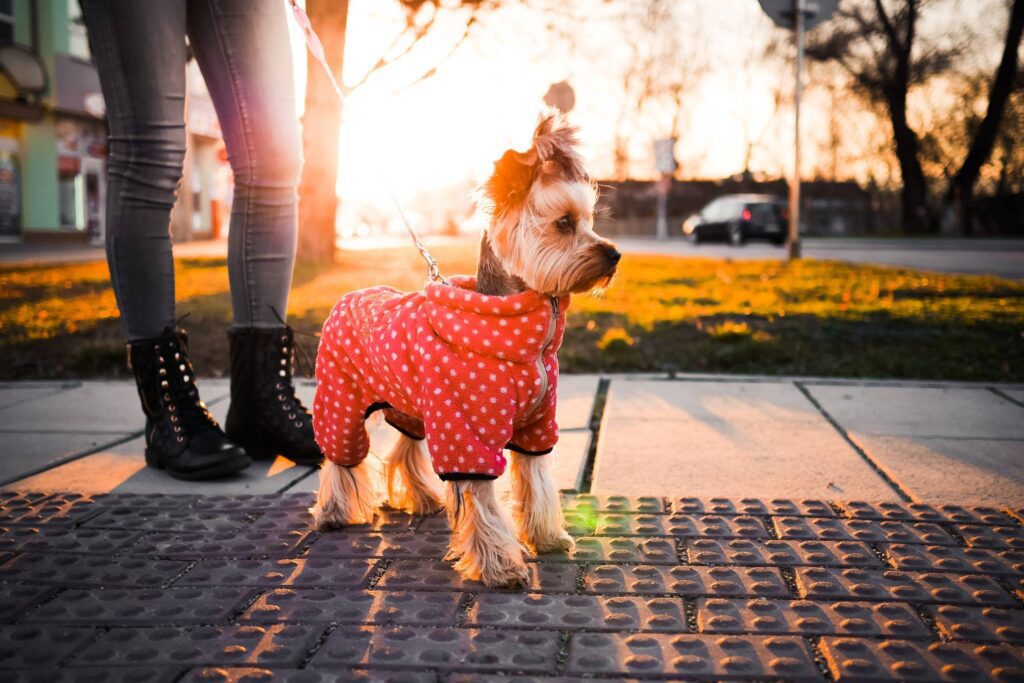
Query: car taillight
[(746, 215)]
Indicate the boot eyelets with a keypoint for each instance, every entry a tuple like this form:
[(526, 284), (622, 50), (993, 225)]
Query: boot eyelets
[(180, 439), (280, 397), (164, 384), (281, 373), (163, 372), (185, 378), (181, 367), (291, 416), (171, 407), (174, 418), (284, 361), (279, 386)]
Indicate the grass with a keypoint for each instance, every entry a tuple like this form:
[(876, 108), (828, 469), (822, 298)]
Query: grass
[(662, 313)]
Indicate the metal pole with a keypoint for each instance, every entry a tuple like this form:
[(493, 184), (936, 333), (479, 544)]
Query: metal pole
[(794, 185), (661, 227)]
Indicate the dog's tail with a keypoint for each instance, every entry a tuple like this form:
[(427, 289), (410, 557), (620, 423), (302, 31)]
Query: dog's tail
[(411, 483)]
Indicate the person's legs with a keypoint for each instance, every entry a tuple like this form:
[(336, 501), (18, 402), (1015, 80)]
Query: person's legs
[(140, 53), (243, 49), (244, 52), (139, 48)]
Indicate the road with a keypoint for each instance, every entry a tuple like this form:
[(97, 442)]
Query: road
[(1003, 257)]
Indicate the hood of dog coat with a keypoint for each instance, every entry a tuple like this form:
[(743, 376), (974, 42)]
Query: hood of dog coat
[(516, 328)]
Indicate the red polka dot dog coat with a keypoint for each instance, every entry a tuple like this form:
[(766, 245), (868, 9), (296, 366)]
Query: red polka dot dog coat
[(473, 373)]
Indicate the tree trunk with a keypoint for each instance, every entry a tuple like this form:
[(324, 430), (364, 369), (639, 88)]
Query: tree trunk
[(914, 195), (321, 129), (961, 189)]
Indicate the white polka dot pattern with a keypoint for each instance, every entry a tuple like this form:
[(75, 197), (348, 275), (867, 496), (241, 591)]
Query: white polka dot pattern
[(459, 367)]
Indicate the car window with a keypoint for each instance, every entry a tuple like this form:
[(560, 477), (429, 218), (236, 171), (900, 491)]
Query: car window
[(765, 213), (710, 212)]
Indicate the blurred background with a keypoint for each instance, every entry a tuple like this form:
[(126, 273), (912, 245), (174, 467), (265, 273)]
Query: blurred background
[(913, 114)]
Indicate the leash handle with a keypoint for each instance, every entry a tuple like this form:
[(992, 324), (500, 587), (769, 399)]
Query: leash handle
[(316, 48)]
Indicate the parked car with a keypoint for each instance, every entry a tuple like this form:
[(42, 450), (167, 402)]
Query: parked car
[(737, 218)]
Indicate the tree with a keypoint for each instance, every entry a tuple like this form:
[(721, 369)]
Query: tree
[(318, 201), (961, 189), (879, 46)]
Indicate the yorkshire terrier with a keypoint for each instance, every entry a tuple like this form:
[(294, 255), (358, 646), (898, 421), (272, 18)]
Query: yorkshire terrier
[(471, 367)]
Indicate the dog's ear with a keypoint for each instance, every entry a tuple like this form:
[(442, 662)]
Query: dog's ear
[(510, 183), (555, 143)]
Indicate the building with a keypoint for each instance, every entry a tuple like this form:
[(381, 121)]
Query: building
[(53, 134)]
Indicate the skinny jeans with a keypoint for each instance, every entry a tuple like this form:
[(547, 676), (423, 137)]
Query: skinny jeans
[(243, 51)]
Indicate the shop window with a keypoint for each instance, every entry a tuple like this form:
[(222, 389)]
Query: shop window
[(6, 22), (78, 39)]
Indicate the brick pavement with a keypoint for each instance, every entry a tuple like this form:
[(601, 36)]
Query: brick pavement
[(161, 587)]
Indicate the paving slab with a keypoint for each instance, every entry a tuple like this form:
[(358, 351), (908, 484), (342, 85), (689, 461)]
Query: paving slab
[(94, 406), (725, 439), (123, 469), (26, 452), (955, 412), (979, 471), (17, 393)]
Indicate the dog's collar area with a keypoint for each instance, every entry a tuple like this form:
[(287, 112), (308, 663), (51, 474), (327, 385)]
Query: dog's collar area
[(461, 294)]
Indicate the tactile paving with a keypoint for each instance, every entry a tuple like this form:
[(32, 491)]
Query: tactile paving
[(686, 580), (992, 536), (591, 503), (321, 605), (588, 612), (979, 623), (41, 508), (111, 674), (752, 506), (615, 549), (30, 646), (692, 657), (63, 539), (866, 530), (822, 583), (920, 512), (786, 553), (16, 598), (256, 502), (805, 618), (222, 674), (140, 606), (409, 544), (300, 518), (294, 573), (190, 545), (149, 519), (688, 526), (438, 575), (445, 648), (191, 646), (853, 659), (80, 571), (956, 560)]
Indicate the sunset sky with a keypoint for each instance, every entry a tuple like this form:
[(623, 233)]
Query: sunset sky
[(486, 97)]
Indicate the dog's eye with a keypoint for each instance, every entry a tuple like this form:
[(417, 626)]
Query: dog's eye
[(566, 223)]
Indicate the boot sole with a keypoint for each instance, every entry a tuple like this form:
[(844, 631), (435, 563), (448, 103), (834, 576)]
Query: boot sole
[(262, 451), (221, 469)]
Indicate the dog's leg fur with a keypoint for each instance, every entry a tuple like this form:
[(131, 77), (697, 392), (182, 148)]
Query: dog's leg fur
[(411, 483), (347, 495), (536, 508), (483, 541)]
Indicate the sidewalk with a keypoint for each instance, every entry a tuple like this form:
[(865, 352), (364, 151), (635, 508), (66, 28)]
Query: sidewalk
[(728, 528)]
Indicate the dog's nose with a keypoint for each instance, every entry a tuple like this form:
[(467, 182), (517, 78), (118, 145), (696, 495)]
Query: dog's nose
[(612, 254)]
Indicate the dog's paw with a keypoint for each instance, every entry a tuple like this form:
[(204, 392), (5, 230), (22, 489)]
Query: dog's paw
[(512, 575), (557, 543)]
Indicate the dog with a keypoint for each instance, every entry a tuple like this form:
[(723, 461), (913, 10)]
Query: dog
[(471, 367)]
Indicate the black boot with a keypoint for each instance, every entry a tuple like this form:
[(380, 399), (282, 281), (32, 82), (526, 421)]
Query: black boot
[(181, 435), (265, 415)]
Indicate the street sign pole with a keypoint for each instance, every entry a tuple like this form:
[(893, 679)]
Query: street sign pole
[(794, 185)]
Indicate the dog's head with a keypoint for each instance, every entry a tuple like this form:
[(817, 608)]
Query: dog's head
[(541, 205)]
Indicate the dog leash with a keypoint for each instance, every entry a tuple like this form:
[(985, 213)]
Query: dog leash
[(316, 48)]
